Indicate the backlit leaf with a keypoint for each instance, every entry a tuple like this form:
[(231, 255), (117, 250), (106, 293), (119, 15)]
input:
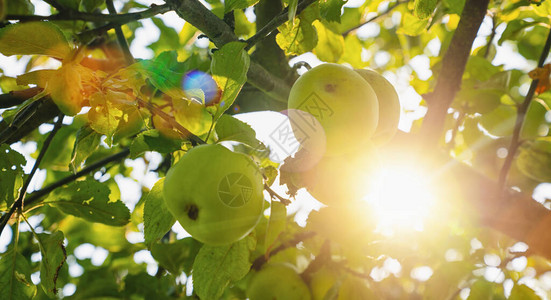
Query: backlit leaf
[(15, 277), (157, 219), (42, 38), (53, 257), (89, 200)]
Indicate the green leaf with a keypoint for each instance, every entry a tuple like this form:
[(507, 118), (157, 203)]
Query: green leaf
[(87, 141), (229, 69), (534, 159), (164, 79), (330, 10), (97, 284), (411, 25), (89, 200), (11, 174), (454, 6), (481, 290), (153, 140), (192, 115), (473, 100), (424, 8), (19, 7), (230, 5), (535, 124), (443, 283), (298, 37), (276, 223), (145, 286), (500, 121), (168, 39), (293, 4), (216, 266), (229, 128), (330, 45), (157, 220), (53, 257), (41, 38), (177, 256), (522, 292), (15, 277)]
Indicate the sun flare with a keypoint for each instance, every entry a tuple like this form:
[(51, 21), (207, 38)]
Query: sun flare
[(402, 198)]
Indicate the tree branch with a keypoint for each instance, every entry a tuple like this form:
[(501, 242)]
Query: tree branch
[(123, 43), (389, 9), (34, 197), (14, 98), (453, 66), (71, 15), (220, 33), (521, 114), (23, 192)]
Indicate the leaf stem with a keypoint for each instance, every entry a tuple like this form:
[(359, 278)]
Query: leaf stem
[(23, 192), (521, 114)]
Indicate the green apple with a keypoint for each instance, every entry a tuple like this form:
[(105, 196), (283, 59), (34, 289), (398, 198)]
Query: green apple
[(342, 101), (389, 106), (277, 282), (215, 194)]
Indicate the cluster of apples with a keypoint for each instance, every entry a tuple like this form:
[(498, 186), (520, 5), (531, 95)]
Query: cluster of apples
[(339, 115)]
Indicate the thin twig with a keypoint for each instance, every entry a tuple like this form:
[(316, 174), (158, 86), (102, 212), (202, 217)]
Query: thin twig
[(33, 197), (71, 15), (184, 133), (123, 43), (258, 262), (275, 23), (521, 114), (23, 192), (273, 194), (492, 36), (389, 9)]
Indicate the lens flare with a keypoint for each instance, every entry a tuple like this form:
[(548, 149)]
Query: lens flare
[(200, 86), (402, 199)]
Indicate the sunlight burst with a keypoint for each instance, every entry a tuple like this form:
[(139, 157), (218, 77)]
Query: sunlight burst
[(402, 199)]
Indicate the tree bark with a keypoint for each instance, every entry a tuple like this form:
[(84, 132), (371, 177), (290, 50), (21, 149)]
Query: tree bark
[(453, 66)]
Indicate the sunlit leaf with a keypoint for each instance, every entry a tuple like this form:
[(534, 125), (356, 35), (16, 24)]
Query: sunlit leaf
[(216, 266), (177, 256), (230, 5), (89, 200), (229, 69), (330, 45), (87, 141), (15, 277), (153, 140), (229, 128), (157, 219), (276, 223), (11, 174), (522, 292), (534, 159), (411, 25), (330, 10), (42, 38), (299, 36), (53, 257)]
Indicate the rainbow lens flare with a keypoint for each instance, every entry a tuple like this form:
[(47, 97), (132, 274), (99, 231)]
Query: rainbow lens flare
[(200, 86)]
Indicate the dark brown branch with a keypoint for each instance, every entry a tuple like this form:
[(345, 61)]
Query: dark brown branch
[(23, 192), (453, 66), (70, 15), (14, 98), (375, 18), (123, 43), (35, 196), (521, 114)]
